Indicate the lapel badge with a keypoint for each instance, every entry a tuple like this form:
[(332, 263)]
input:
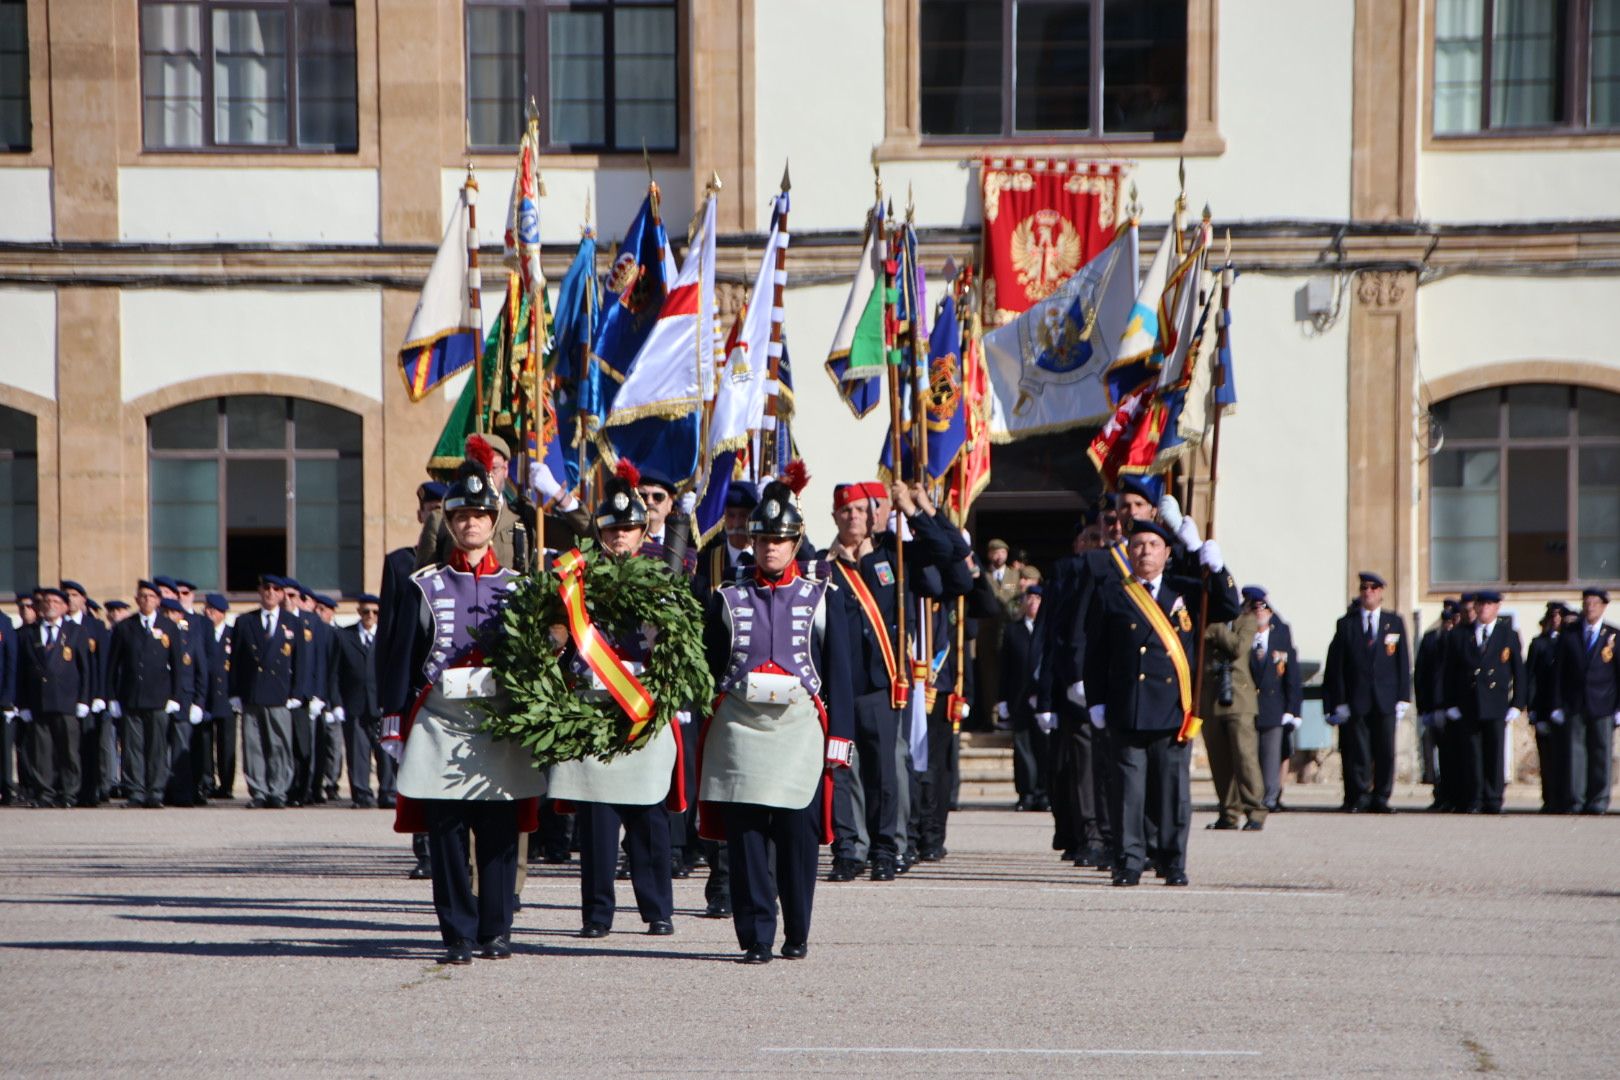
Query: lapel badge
[(1184, 619), (67, 652), (165, 639), (286, 648), (1506, 652)]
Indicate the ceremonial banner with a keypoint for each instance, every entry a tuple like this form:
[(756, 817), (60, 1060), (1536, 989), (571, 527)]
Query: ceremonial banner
[(972, 474), (1048, 366), (856, 362), (444, 333), (1043, 220)]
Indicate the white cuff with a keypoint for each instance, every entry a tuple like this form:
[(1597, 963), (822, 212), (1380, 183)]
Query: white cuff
[(1076, 693), (171, 706), (1099, 716), (838, 752)]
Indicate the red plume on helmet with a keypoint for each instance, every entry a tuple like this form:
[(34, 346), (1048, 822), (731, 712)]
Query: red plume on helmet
[(626, 470), (796, 476), (481, 452)]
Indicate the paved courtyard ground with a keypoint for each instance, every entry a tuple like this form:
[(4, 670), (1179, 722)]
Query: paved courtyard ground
[(222, 943)]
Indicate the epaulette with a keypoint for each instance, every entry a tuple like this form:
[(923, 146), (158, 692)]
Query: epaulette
[(818, 569), (430, 568)]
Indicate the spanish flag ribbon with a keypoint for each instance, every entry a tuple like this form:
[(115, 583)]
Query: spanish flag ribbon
[(599, 656), (1190, 723)]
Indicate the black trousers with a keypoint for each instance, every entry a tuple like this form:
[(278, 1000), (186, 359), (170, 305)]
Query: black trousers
[(1031, 756), (464, 915), (90, 781), (202, 759), (751, 833), (56, 757), (877, 727), (304, 775), (225, 753), (11, 758), (1552, 754), (937, 781), (146, 753), (1154, 798), (683, 837), (1590, 742), (1452, 747), (1083, 784), (181, 789), (362, 741), (1367, 752), (646, 846)]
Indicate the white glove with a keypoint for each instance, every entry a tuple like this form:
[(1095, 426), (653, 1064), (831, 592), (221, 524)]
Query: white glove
[(115, 710), (1076, 693), (1002, 710), (1341, 713), (8, 714), (1617, 719), (1454, 713), (339, 714), (1046, 721), (838, 752), (315, 707), (333, 718), (81, 710), (683, 716), (1512, 715), (1170, 513), (1558, 716), (236, 704), (25, 715), (549, 487), (171, 706), (1209, 556), (1098, 715), (1400, 710), (394, 748), (1187, 533), (196, 715), (687, 502), (98, 705), (295, 703), (1290, 720)]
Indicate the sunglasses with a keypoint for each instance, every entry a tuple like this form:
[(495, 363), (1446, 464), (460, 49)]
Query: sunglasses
[(653, 496), (1371, 588), (368, 611)]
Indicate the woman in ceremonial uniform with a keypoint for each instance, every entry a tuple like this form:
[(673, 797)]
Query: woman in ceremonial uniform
[(783, 718), (636, 789), (456, 782)]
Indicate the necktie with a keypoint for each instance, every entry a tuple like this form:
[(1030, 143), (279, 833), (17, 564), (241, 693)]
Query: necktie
[(1259, 647), (365, 640), (1479, 637), (1591, 638), (1370, 633), (269, 622), (50, 635)]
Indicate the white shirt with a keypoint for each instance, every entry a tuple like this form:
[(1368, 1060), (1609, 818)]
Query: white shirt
[(1483, 632), (48, 630), (267, 619), (1029, 624), (1262, 640), (367, 637), (219, 631), (1370, 621), (1151, 586)]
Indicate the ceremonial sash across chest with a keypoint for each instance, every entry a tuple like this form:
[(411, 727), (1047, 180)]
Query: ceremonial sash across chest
[(594, 649), (898, 689), (1160, 622)]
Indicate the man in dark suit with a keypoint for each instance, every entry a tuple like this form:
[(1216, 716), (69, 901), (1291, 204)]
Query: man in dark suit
[(357, 709), (1031, 741), (1427, 673), (330, 743), (8, 710), (56, 682), (1541, 701), (267, 649), (220, 767), (1274, 666), (1589, 703), (146, 676), (1366, 692), (183, 781), (95, 782), (1141, 689), (1484, 693), (311, 681)]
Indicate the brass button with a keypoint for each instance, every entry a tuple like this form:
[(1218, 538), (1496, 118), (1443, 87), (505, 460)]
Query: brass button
[(1140, 678), (1144, 650)]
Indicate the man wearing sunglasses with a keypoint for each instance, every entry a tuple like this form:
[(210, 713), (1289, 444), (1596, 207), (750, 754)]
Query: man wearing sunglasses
[(1365, 690), (668, 529)]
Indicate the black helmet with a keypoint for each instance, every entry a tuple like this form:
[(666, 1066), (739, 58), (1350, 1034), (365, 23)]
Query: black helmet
[(471, 488), (621, 507), (778, 511)]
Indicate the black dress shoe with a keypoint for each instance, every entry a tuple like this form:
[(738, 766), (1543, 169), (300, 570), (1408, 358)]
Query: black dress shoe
[(882, 870), (275, 803), (660, 928), (420, 872), (1127, 877), (593, 930), (1176, 877), (844, 870), (1352, 808), (678, 868), (718, 909), (794, 952), (386, 802), (153, 804), (255, 803), (1094, 857), (1221, 823), (133, 804), (931, 855), (458, 953), (1023, 804), (756, 954), (1253, 826), (1380, 808), (1069, 854), (1280, 808), (497, 948)]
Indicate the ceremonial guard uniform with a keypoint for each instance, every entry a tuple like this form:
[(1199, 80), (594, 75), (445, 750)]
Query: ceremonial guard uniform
[(776, 644), (637, 789), (55, 688), (267, 649), (1366, 686), (1541, 702), (1589, 703), (1146, 631), (1484, 693), (146, 678), (455, 781)]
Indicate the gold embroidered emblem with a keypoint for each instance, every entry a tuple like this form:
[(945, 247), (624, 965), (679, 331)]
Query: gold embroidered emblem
[(92, 646), (1184, 620), (1045, 252), (185, 658), (165, 639), (1506, 652)]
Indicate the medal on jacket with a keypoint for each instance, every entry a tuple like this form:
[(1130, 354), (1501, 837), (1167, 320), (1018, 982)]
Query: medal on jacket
[(286, 648), (1390, 641), (92, 646), (1608, 650), (67, 652), (185, 658), (309, 635), (165, 639), (1506, 652), (1184, 620)]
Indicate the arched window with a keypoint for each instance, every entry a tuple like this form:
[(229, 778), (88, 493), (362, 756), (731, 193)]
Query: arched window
[(19, 501), (1525, 488), (248, 485)]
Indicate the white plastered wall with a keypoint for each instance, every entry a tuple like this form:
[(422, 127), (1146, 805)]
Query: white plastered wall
[(1518, 185), (25, 205), (1467, 322), (28, 340), (614, 196), (248, 205)]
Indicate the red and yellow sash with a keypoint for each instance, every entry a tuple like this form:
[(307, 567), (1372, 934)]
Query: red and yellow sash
[(1190, 723), (898, 689), (598, 654)]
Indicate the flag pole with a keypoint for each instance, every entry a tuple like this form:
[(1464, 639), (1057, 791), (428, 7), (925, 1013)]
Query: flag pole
[(901, 693), (538, 389), (706, 409), (475, 306), (919, 427), (770, 444)]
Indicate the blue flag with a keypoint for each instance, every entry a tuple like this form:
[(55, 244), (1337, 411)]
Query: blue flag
[(635, 293), (943, 414), (579, 305)]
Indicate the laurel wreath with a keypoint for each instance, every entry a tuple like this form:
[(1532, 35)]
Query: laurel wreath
[(549, 713)]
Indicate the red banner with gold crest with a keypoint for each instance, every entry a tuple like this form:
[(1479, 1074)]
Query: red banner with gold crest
[(1043, 220)]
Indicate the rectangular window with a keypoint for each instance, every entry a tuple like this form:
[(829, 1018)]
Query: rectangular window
[(273, 74), (1464, 514), (1526, 65), (16, 124), (185, 519), (603, 74), (1081, 68), (1597, 515), (19, 501)]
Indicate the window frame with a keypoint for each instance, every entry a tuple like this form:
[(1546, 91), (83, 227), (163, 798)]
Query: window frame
[(11, 453), (210, 144), (1574, 92), (26, 99), (536, 58), (222, 454), (1572, 442)]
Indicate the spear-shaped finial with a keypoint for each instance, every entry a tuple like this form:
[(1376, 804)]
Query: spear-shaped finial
[(1207, 214), (531, 111), (585, 229), (714, 185), (877, 177), (646, 159), (787, 181), (1133, 209), (911, 205), (1181, 173)]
